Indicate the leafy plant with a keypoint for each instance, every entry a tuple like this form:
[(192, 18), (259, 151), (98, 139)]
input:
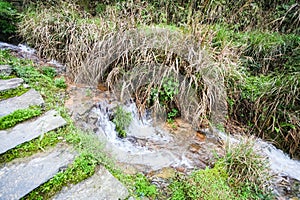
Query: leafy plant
[(13, 92), (49, 71), (60, 83), (143, 188), (122, 120), (19, 116)]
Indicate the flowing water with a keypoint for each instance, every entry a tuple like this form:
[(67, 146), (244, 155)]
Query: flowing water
[(150, 146)]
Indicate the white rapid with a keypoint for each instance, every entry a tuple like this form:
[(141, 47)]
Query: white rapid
[(151, 147)]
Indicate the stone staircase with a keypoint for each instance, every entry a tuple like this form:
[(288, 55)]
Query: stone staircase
[(20, 176)]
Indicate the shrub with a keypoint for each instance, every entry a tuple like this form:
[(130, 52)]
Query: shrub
[(7, 20), (240, 174)]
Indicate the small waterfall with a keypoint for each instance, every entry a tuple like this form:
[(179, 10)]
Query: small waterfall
[(145, 144)]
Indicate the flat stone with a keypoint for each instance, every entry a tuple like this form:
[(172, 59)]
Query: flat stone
[(5, 70), (20, 178), (101, 186), (30, 98), (10, 84), (29, 130)]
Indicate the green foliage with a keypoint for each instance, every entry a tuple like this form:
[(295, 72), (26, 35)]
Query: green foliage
[(240, 174), (143, 188), (49, 71), (122, 120), (25, 69), (33, 146), (19, 116), (60, 83), (166, 92), (13, 92), (173, 113), (7, 18), (208, 184)]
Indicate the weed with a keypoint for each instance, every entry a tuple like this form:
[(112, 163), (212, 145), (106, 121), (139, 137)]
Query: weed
[(49, 71), (60, 83), (13, 92), (208, 184), (122, 120), (19, 116), (143, 188)]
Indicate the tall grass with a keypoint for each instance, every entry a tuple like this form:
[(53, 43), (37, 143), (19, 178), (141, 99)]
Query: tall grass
[(210, 61)]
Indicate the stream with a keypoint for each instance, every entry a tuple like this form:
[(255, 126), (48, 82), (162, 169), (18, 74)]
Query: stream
[(152, 147)]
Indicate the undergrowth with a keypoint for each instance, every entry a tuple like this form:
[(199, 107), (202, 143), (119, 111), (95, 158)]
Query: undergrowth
[(13, 92), (240, 174), (19, 116)]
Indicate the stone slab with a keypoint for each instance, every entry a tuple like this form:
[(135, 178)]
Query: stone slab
[(30, 98), (18, 179), (29, 130), (10, 83), (5, 70), (101, 186)]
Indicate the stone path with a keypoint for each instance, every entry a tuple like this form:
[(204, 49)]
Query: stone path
[(10, 84), (29, 130), (102, 185), (20, 176), (30, 98), (17, 180)]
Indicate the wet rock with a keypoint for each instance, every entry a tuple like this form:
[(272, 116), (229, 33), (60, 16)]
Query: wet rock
[(30, 98), (165, 173), (29, 130), (5, 70), (194, 148), (200, 136), (101, 186), (10, 84), (18, 179)]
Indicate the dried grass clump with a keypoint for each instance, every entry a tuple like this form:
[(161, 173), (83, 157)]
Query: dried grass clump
[(62, 32), (136, 61)]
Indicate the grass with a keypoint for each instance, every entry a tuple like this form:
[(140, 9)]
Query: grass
[(13, 92), (18, 116), (240, 174)]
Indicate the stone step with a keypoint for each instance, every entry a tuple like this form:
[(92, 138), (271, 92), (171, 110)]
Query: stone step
[(5, 70), (20, 177), (30, 98), (29, 130), (10, 83), (101, 186)]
